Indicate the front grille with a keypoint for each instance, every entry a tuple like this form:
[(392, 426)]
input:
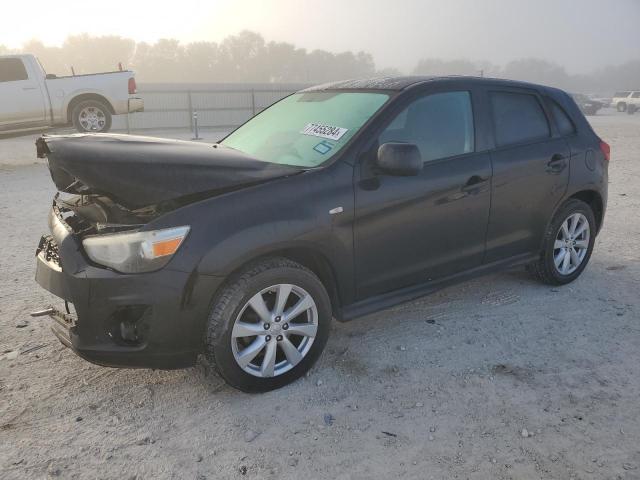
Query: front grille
[(49, 250)]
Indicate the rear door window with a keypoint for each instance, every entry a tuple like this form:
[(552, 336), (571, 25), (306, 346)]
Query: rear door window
[(563, 122), (635, 95), (12, 70), (440, 124), (621, 94), (518, 118)]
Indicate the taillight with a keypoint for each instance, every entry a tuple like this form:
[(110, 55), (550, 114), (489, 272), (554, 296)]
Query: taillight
[(606, 150), (132, 86)]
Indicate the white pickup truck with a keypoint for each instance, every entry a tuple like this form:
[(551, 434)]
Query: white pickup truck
[(31, 98)]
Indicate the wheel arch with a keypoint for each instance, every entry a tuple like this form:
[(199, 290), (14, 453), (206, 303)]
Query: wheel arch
[(308, 257), (594, 200), (319, 264), (84, 97), (591, 197)]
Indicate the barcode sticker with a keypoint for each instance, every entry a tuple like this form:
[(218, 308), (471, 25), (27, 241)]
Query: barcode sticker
[(324, 131)]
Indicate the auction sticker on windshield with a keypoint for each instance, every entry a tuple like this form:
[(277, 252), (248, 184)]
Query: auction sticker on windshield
[(324, 131)]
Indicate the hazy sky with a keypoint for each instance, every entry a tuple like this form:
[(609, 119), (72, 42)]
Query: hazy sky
[(579, 34)]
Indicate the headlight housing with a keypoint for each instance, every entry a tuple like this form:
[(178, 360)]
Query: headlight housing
[(135, 252)]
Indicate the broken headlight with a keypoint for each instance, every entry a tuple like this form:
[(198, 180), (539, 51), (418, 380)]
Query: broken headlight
[(135, 252)]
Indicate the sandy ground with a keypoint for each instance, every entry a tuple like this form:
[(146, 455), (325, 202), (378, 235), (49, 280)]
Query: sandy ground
[(496, 378)]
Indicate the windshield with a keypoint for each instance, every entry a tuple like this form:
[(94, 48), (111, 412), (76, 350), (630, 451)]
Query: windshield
[(305, 129)]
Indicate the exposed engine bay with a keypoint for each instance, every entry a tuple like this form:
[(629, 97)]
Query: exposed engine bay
[(93, 214), (110, 183)]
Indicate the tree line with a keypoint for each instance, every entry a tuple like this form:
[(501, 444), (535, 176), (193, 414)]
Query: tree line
[(245, 57), (248, 57)]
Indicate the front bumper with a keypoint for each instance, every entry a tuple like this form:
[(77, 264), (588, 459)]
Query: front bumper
[(151, 320)]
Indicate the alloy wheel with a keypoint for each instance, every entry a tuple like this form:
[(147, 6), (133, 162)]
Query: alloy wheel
[(571, 244), (274, 330)]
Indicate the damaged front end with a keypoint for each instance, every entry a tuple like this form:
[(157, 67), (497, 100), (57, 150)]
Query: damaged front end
[(123, 304), (107, 314), (137, 172), (114, 237), (84, 210), (113, 186), (96, 214)]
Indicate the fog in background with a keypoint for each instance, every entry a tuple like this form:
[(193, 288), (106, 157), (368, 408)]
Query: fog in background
[(588, 45)]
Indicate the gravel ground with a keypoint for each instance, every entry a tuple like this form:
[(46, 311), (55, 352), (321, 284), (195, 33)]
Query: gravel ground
[(498, 378)]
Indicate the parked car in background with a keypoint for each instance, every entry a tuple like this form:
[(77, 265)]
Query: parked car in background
[(31, 98), (586, 104), (627, 101), (335, 202), (605, 100)]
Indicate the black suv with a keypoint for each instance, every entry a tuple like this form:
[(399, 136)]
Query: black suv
[(337, 201)]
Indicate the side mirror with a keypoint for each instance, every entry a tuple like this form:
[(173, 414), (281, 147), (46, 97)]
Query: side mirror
[(401, 159)]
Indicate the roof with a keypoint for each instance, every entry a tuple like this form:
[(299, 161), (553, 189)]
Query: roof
[(397, 83), (375, 83)]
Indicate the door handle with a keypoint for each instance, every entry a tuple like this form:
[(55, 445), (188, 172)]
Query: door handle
[(557, 163), (474, 183), (29, 88)]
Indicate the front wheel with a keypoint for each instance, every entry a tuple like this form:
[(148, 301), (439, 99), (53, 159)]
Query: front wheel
[(567, 245), (91, 116), (268, 325), (621, 107)]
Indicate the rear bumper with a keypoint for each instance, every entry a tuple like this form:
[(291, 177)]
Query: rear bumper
[(135, 104), (153, 320)]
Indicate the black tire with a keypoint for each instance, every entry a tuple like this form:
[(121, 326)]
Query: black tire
[(621, 107), (103, 114), (544, 268), (228, 304)]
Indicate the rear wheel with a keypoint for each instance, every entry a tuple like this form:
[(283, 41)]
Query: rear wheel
[(91, 116), (567, 245), (268, 325)]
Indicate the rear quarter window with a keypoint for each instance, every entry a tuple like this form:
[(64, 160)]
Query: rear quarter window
[(12, 70), (562, 119), (517, 118)]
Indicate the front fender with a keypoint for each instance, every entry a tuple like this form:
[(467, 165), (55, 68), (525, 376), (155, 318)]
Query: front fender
[(290, 213)]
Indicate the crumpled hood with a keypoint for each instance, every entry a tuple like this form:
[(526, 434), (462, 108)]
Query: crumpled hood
[(140, 171)]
